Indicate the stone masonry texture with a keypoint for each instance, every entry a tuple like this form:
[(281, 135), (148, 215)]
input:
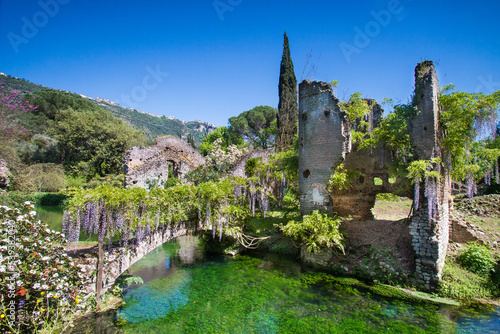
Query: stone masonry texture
[(148, 167), (325, 141)]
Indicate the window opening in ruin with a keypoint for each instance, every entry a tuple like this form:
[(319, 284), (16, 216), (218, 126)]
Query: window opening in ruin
[(378, 181), (307, 173), (327, 112), (304, 116)]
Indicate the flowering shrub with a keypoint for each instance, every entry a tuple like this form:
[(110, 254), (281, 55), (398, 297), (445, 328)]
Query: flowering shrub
[(11, 106), (39, 282), (229, 156)]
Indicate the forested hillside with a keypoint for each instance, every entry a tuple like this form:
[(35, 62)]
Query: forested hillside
[(153, 126)]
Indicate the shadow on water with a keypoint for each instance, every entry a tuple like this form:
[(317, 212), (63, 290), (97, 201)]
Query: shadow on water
[(185, 292), (51, 215)]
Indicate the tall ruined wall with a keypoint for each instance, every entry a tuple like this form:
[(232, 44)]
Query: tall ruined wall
[(430, 231), (424, 126), (147, 167), (323, 140), (358, 200)]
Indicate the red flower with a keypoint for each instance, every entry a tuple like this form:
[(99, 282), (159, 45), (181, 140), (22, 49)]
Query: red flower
[(21, 292)]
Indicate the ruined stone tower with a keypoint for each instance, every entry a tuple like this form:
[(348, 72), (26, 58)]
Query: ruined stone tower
[(325, 140), (430, 232), (324, 137)]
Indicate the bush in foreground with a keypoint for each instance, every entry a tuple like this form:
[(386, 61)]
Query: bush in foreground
[(39, 283)]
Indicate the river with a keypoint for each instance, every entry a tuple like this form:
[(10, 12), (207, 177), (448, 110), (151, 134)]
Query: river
[(186, 292)]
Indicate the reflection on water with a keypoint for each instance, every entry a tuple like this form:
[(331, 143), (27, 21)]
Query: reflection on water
[(51, 215), (184, 293)]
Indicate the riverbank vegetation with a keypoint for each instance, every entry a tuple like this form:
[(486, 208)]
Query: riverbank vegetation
[(59, 148)]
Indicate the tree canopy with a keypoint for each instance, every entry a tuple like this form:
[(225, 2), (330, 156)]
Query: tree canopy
[(257, 125), (93, 142), (228, 138)]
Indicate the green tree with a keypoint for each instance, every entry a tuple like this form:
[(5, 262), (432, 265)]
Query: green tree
[(465, 118), (40, 177), (286, 125), (50, 102), (190, 140), (228, 138), (93, 142), (257, 125)]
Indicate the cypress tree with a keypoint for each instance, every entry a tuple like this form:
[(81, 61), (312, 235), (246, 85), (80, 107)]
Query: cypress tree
[(287, 107)]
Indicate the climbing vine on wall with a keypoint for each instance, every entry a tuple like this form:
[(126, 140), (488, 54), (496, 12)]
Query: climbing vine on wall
[(356, 109), (468, 122)]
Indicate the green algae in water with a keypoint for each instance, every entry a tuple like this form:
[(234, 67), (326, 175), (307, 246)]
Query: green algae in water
[(250, 295), (157, 299)]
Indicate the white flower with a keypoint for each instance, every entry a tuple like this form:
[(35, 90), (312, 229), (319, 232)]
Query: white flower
[(36, 286), (45, 258), (2, 269), (45, 287), (32, 271), (50, 294), (32, 213), (59, 287), (27, 203), (55, 275)]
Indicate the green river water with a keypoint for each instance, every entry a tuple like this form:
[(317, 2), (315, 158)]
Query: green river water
[(187, 292)]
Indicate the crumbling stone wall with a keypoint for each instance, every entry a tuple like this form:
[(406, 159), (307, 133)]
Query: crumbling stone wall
[(371, 163), (147, 167), (325, 141), (359, 199), (324, 137), (430, 232)]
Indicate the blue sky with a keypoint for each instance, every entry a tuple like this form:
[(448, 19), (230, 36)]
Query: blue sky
[(210, 60)]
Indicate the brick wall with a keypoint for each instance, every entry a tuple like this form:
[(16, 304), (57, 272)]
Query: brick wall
[(323, 140)]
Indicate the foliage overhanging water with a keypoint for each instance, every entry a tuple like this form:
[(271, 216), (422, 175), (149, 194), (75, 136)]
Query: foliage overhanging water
[(184, 293)]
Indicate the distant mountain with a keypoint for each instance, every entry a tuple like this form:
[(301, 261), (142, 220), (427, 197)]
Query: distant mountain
[(152, 125)]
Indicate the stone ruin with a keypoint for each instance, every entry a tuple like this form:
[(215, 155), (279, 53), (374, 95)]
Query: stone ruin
[(325, 141), (149, 167)]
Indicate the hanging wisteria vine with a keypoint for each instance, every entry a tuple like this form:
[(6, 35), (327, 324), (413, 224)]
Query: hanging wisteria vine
[(108, 212)]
